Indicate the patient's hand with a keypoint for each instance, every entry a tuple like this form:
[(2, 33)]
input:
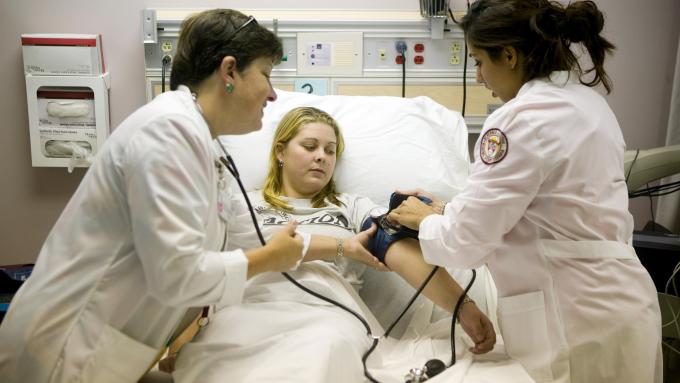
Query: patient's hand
[(355, 248), (478, 326)]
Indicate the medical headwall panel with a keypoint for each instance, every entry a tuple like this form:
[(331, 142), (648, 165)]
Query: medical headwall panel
[(354, 52), (330, 54)]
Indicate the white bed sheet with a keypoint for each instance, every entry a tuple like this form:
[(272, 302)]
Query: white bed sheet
[(282, 334)]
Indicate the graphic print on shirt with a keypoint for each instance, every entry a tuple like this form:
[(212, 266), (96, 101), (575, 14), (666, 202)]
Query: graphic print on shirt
[(271, 217)]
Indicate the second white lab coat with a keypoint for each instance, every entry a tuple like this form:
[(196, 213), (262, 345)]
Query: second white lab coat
[(551, 222), (137, 244)]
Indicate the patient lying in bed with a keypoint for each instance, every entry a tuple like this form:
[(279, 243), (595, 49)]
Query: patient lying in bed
[(281, 333)]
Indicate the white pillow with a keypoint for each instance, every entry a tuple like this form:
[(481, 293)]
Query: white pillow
[(390, 142)]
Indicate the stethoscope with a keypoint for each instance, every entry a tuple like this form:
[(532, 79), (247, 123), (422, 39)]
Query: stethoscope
[(433, 366)]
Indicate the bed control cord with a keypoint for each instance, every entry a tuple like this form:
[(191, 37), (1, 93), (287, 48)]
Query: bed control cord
[(465, 61), (228, 162), (403, 74), (401, 48), (455, 315), (165, 62)]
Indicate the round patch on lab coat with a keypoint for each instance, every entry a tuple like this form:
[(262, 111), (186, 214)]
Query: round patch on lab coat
[(493, 147)]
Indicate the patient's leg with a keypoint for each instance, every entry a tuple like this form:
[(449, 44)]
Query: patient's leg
[(405, 258)]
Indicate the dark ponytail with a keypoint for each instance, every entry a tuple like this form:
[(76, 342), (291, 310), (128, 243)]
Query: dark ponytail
[(583, 24), (543, 32)]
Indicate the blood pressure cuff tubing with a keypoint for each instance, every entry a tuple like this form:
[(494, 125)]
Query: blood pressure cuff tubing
[(386, 236)]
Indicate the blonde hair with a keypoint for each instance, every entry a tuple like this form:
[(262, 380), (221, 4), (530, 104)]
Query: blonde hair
[(288, 128)]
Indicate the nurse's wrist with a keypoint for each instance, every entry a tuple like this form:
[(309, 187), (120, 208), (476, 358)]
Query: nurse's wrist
[(439, 207), (422, 218), (257, 261)]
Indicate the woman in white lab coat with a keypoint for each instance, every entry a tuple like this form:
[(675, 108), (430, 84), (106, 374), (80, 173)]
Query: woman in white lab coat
[(140, 241), (546, 205)]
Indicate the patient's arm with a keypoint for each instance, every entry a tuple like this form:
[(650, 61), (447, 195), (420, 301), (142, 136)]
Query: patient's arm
[(405, 258), (325, 248)]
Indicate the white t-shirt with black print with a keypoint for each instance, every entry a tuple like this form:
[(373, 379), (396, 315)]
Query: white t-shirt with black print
[(340, 221)]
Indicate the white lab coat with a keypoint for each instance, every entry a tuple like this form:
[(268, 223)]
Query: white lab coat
[(551, 222), (137, 244)]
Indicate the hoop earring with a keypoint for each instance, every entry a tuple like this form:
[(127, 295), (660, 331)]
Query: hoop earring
[(229, 87)]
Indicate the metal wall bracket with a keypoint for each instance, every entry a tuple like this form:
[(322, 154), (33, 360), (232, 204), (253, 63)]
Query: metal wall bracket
[(149, 27)]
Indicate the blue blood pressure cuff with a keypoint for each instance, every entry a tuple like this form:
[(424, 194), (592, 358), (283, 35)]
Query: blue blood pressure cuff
[(388, 232)]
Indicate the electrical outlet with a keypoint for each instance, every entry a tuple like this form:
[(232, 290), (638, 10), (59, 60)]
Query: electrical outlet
[(455, 47), (166, 46), (400, 46), (454, 60), (382, 53)]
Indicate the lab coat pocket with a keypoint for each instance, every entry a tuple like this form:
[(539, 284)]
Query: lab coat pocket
[(523, 325), (118, 358)]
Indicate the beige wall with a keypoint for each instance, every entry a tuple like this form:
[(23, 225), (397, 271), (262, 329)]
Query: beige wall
[(31, 199)]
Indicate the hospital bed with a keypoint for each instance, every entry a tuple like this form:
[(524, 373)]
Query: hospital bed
[(395, 143)]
